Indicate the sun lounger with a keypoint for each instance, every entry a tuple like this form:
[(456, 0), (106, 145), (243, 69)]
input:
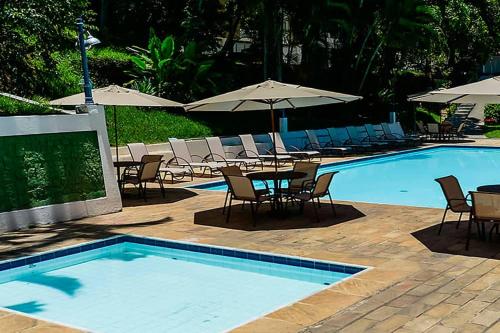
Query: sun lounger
[(250, 150), (327, 148), (376, 137), (394, 130), (299, 153), (183, 157), (359, 134), (217, 154), (138, 150), (340, 136)]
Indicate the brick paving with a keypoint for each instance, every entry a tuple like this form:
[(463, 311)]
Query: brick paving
[(420, 282)]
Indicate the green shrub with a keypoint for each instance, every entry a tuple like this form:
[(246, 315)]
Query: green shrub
[(11, 107), (151, 125), (492, 111), (427, 116)]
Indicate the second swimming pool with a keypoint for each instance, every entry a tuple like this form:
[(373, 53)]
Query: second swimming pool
[(407, 178)]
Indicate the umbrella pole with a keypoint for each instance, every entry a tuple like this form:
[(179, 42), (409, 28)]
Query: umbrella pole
[(116, 142), (274, 139)]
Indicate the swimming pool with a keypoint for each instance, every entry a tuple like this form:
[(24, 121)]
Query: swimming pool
[(138, 284), (407, 178)]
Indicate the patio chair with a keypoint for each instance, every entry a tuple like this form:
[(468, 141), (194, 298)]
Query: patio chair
[(326, 148), (433, 130), (485, 209), (377, 137), (148, 173), (422, 130), (359, 135), (340, 136), (242, 189), (250, 150), (456, 201), (217, 154), (457, 133), (138, 150), (305, 183), (298, 152), (183, 157), (395, 131), (319, 189)]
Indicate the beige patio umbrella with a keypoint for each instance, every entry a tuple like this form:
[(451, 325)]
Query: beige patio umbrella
[(483, 92), (114, 95), (270, 95)]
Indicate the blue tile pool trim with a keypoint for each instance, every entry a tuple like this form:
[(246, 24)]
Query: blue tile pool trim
[(358, 160), (214, 250)]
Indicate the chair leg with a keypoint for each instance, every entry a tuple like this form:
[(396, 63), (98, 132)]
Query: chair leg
[(253, 213), (495, 226), (225, 202), (333, 206), (468, 233), (160, 181), (144, 189), (442, 221), (315, 211), (459, 219), (229, 209)]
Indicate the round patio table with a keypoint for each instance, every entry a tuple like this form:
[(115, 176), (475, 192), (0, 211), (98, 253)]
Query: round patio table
[(276, 178), (489, 188)]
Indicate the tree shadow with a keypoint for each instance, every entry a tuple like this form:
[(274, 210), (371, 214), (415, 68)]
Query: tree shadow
[(154, 197), (241, 218), (452, 241), (67, 285), (27, 307), (49, 236)]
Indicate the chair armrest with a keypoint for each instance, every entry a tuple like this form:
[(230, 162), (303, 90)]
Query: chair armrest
[(209, 157), (198, 156), (246, 152)]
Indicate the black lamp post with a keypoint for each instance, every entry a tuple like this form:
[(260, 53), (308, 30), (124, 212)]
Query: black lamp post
[(85, 44)]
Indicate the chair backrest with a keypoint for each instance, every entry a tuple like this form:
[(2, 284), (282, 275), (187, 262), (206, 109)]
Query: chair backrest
[(150, 164), (421, 127), (386, 129), (309, 168), (322, 184), (324, 137), (453, 192), (339, 134), (280, 145), (370, 130), (486, 206), (137, 150), (313, 139), (231, 170), (180, 149), (433, 128), (395, 128), (461, 128), (353, 133), (216, 149), (242, 188), (248, 143)]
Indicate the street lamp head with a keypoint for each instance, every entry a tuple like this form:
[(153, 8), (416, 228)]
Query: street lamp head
[(91, 41)]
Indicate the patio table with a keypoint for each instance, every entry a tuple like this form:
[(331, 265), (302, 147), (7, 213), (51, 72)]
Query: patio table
[(489, 188), (277, 179)]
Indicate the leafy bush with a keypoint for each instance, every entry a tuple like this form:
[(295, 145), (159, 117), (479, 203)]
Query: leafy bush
[(427, 116), (492, 111), (151, 125), (11, 107)]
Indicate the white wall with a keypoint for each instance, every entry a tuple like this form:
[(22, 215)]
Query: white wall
[(93, 121)]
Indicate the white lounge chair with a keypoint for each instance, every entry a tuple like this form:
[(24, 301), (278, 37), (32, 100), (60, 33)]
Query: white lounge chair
[(183, 157), (394, 130), (217, 154), (138, 150), (340, 136), (299, 153), (359, 134), (250, 150), (326, 148)]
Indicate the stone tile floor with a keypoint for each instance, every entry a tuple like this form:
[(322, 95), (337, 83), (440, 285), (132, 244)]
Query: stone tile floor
[(420, 282)]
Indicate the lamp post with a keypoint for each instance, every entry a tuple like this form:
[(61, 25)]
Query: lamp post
[(84, 44)]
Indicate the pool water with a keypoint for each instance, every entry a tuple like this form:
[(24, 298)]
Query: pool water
[(134, 287), (408, 178)]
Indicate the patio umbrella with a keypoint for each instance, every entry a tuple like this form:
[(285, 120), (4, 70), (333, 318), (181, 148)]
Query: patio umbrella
[(270, 95), (114, 95), (483, 92)]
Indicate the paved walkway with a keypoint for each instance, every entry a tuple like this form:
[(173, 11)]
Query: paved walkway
[(420, 282)]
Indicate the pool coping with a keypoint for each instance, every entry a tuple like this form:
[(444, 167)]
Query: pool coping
[(322, 265), (204, 185)]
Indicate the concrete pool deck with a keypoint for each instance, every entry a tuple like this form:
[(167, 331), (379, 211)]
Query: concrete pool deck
[(420, 282)]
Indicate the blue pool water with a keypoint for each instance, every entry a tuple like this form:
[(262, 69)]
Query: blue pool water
[(136, 284), (408, 178)]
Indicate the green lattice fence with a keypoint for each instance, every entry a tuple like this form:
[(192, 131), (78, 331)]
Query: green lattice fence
[(45, 169)]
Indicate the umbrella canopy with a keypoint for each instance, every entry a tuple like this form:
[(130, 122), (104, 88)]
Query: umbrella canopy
[(267, 95), (270, 95), (117, 96), (481, 92)]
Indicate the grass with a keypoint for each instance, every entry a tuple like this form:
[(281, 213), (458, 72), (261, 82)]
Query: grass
[(13, 107), (427, 116), (492, 131), (151, 125)]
